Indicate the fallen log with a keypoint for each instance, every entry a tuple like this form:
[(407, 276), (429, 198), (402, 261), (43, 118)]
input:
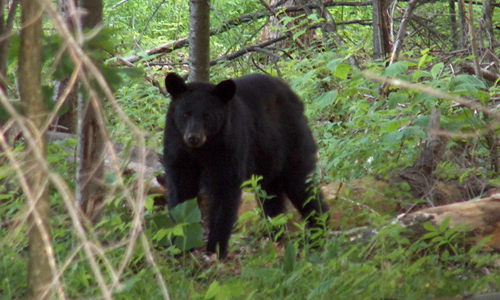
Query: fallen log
[(481, 218)]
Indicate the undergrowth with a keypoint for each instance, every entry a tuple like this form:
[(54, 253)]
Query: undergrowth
[(358, 134)]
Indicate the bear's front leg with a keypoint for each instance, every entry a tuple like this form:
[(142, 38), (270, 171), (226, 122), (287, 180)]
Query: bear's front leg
[(225, 200), (182, 181)]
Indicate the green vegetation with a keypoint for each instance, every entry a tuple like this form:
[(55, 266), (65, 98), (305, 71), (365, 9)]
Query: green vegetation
[(359, 135)]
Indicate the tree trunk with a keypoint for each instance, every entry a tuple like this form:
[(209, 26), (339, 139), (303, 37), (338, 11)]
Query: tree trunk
[(68, 121), (462, 23), (90, 169), (453, 22), (199, 40), (381, 43), (330, 27), (30, 89), (398, 42), (5, 28), (486, 22)]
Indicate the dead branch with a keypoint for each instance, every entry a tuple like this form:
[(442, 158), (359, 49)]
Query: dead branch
[(402, 31), (473, 105), (253, 48), (469, 68), (149, 20), (330, 26), (478, 217), (177, 44)]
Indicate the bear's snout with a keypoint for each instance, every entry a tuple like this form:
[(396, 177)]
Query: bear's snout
[(194, 140)]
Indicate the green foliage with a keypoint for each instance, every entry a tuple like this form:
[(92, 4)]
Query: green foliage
[(358, 133), (183, 223)]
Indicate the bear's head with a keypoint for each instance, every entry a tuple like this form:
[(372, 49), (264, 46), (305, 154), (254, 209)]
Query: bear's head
[(199, 110)]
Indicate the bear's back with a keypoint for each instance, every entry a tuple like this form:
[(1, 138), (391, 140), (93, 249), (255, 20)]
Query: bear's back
[(281, 129), (267, 95)]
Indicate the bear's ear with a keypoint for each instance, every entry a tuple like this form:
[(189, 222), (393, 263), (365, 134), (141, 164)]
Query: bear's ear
[(225, 90), (175, 84)]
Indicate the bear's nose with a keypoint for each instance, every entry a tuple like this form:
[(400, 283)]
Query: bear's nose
[(193, 140)]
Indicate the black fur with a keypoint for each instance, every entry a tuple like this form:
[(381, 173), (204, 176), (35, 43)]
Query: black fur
[(219, 135)]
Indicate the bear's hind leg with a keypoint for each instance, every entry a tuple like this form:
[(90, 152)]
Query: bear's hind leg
[(307, 197), (273, 203)]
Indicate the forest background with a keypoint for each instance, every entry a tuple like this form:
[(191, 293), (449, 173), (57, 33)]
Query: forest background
[(401, 96)]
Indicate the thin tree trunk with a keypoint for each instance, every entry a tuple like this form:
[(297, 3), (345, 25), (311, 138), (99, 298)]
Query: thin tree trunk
[(199, 40), (330, 26), (487, 23), (398, 42), (453, 23), (381, 45), (5, 29), (90, 173), (462, 23), (30, 89), (68, 121)]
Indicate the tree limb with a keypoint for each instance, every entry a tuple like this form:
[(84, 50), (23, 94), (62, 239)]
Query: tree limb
[(173, 45)]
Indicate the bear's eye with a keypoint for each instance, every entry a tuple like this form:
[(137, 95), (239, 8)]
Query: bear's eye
[(205, 116), (187, 115)]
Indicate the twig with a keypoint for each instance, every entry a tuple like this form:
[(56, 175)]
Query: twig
[(147, 23), (399, 41), (402, 31), (253, 48), (331, 26), (177, 44), (472, 37), (469, 68), (119, 3), (473, 105)]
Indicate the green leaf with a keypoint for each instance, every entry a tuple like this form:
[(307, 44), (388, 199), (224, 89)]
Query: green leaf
[(421, 62), (393, 126), (299, 33), (444, 225), (150, 201), (395, 69), (393, 137), (397, 98), (332, 65), (290, 258), (429, 227), (191, 238), (436, 69), (450, 232), (342, 70), (445, 255), (187, 212), (326, 99), (213, 290), (127, 285), (430, 235)]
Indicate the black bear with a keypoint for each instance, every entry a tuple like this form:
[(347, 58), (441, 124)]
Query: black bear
[(217, 136)]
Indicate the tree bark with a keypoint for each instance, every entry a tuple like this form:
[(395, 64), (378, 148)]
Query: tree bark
[(199, 40), (68, 121), (486, 22), (453, 22), (398, 42), (30, 89), (330, 26), (381, 44), (90, 168), (462, 23), (5, 29), (477, 217)]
